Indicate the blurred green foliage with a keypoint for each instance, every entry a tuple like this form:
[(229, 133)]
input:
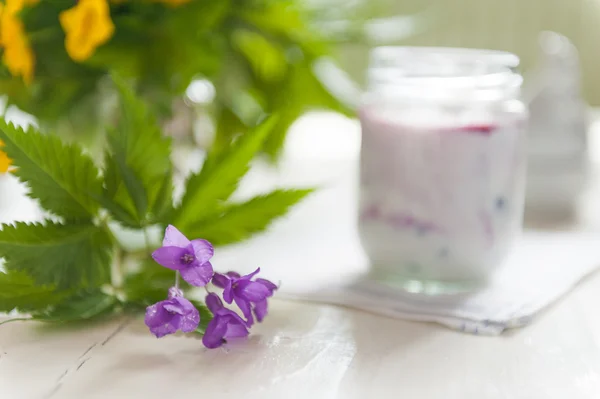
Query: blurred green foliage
[(255, 52)]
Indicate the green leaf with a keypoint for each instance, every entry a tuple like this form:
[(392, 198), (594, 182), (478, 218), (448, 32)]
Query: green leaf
[(132, 190), (18, 291), (68, 256), (149, 285), (303, 92), (163, 207), (115, 198), (287, 20), (266, 57), (205, 316), (228, 126), (239, 221), (118, 212), (82, 306), (220, 176), (197, 16), (138, 167), (59, 175)]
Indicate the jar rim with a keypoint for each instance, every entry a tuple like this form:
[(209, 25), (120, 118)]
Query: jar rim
[(387, 55), (443, 71)]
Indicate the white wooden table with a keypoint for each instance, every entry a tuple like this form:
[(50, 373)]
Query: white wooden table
[(313, 351)]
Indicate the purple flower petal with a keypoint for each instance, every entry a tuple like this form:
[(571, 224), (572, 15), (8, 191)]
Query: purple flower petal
[(234, 316), (203, 250), (166, 317), (170, 257), (190, 321), (260, 310), (183, 304), (223, 327), (156, 315), (249, 276), (197, 275), (166, 328), (251, 291), (174, 308), (236, 329), (174, 238), (213, 303), (228, 293), (159, 321), (215, 332), (233, 275), (272, 287), (250, 296), (246, 310), (221, 280)]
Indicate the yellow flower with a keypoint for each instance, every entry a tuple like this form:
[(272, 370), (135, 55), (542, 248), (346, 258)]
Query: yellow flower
[(87, 26), (18, 56), (4, 160)]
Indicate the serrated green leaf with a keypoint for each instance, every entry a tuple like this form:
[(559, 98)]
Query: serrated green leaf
[(132, 189), (239, 221), (68, 256), (83, 306), (118, 212), (220, 176), (18, 291), (59, 175), (115, 197), (138, 167), (163, 207)]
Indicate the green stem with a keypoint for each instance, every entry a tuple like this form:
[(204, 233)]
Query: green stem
[(147, 242), (116, 271)]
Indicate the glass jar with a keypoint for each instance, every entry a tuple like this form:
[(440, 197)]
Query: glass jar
[(442, 166)]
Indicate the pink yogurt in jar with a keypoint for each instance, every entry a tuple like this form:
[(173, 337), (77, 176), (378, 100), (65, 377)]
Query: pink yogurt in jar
[(442, 166)]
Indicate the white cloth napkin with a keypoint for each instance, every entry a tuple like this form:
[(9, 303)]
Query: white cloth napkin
[(542, 267)]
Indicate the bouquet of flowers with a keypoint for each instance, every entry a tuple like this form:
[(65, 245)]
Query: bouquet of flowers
[(259, 56), (77, 264), (62, 61)]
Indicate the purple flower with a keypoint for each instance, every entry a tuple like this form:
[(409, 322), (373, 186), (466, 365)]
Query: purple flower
[(225, 324), (175, 313), (246, 293), (190, 258)]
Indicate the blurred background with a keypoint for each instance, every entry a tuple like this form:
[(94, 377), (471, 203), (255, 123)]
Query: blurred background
[(512, 25), (211, 69)]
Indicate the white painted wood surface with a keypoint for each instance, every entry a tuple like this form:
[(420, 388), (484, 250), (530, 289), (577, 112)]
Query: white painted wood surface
[(312, 351)]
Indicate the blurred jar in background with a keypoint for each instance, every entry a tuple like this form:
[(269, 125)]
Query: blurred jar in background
[(442, 166), (558, 162)]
